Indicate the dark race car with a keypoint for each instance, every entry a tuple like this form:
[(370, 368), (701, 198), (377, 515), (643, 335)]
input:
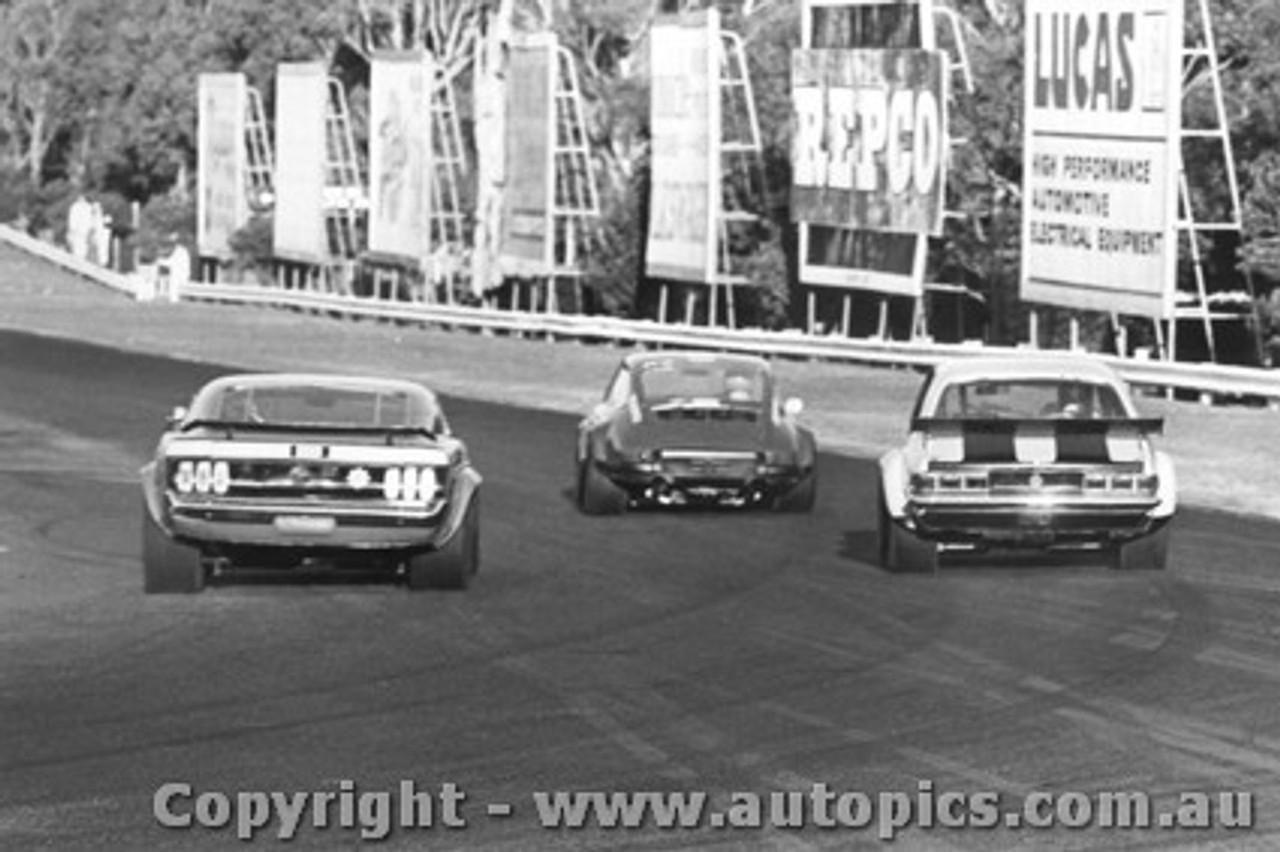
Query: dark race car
[(1033, 452), (284, 470), (679, 428)]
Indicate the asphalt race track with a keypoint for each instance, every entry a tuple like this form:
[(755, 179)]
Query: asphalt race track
[(697, 651)]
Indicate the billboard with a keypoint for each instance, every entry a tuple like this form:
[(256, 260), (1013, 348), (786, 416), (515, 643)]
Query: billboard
[(302, 100), (528, 232), (221, 193), (865, 236), (400, 170), (684, 201), (869, 149), (1101, 154)]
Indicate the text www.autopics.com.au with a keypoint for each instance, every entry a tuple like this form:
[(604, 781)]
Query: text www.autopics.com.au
[(375, 814)]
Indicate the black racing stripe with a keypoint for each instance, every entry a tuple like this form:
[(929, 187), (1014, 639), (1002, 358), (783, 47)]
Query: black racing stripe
[(1083, 447), (989, 443)]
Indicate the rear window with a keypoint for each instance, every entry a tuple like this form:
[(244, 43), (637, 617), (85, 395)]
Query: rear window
[(701, 382), (1029, 399), (316, 406)]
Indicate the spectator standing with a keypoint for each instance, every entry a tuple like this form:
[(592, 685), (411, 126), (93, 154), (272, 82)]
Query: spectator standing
[(97, 242), (79, 225), (174, 269)]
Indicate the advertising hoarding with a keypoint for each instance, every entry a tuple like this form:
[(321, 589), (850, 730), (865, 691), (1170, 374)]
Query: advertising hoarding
[(869, 150), (221, 191), (302, 98), (843, 255), (684, 201), (400, 154), (1101, 154), (528, 232)]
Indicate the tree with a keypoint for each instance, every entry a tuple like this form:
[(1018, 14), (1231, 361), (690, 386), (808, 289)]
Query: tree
[(985, 172), (1248, 34), (446, 28), (32, 35), (489, 94)]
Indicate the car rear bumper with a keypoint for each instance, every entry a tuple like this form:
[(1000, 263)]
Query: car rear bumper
[(667, 483), (1032, 524), (309, 528)]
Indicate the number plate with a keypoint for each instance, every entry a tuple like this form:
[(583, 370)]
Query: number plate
[(305, 524), (1036, 518)]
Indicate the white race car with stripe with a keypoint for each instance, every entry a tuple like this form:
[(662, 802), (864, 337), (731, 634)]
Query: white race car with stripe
[(1042, 452), (287, 470)]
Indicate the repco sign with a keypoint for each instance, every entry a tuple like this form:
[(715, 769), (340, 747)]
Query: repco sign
[(869, 139)]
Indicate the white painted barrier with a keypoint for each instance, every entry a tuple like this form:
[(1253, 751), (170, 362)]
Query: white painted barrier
[(67, 260), (1204, 378)]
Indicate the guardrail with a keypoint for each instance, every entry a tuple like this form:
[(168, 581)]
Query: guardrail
[(1213, 379), (1203, 378)]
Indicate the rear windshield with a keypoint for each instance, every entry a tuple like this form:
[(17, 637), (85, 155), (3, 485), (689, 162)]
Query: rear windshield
[(311, 405), (701, 382), (1029, 399)]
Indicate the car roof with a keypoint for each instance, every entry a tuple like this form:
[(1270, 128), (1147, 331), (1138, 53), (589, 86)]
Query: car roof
[(336, 382), (639, 359), (1033, 365)]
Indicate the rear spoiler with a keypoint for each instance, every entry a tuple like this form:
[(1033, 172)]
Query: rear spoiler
[(1058, 425), (232, 426)]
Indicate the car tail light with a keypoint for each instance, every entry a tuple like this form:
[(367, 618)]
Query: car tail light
[(771, 462), (1123, 482), (204, 476), (410, 484), (391, 483), (184, 479), (221, 477), (428, 483), (923, 482), (933, 482)]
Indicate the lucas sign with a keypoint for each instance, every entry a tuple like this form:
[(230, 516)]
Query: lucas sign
[(869, 150), (1103, 119)]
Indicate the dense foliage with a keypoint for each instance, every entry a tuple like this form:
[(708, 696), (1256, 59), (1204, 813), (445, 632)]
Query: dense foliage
[(98, 96)]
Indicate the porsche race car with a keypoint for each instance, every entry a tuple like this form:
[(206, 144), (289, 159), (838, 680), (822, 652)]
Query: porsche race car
[(281, 470), (686, 428), (1038, 452)]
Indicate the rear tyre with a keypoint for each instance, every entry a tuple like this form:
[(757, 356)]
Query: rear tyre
[(802, 497), (1149, 553), (901, 551), (454, 565), (168, 567), (597, 495)]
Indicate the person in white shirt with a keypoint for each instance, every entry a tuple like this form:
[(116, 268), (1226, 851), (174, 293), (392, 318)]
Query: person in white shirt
[(174, 270), (79, 224)]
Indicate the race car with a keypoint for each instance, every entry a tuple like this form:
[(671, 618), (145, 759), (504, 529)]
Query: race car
[(280, 471), (687, 428), (1040, 452)]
